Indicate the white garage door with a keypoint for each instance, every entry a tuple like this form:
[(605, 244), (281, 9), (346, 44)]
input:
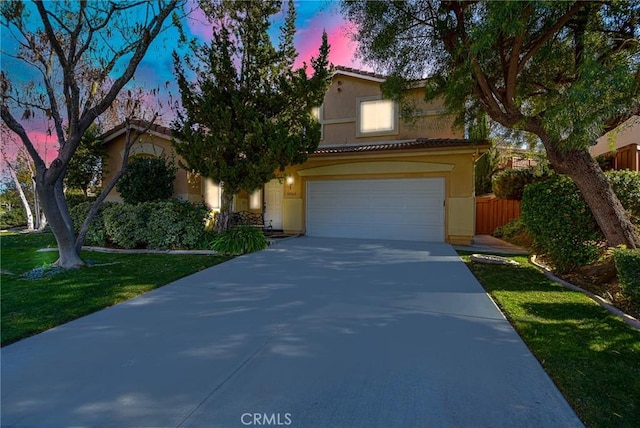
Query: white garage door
[(404, 209)]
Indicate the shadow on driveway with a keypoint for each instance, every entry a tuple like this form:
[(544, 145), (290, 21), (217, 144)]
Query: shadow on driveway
[(309, 333)]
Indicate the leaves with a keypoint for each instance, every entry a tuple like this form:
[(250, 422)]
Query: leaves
[(247, 113)]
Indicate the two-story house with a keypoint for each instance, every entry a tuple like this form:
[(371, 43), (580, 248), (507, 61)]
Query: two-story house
[(374, 175)]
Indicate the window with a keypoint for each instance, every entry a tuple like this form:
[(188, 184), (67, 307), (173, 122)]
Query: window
[(255, 200), (377, 117)]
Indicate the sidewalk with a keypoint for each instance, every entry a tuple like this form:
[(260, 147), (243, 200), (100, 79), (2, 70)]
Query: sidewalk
[(489, 244)]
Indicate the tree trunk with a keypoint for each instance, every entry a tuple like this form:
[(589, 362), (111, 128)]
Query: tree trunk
[(49, 194), (23, 197), (597, 192), (225, 210)]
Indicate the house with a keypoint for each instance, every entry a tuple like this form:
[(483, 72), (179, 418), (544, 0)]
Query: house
[(374, 175), (621, 146)]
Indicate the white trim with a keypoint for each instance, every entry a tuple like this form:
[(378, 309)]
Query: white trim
[(138, 129), (358, 76)]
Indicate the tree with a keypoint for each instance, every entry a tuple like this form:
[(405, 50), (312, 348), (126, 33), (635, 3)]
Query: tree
[(248, 113), (21, 170), (565, 71), (83, 54), (147, 179), (85, 167)]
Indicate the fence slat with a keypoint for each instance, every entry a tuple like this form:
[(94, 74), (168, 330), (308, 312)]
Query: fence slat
[(492, 212)]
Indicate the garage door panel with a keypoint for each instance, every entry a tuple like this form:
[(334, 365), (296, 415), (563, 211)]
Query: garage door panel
[(408, 209)]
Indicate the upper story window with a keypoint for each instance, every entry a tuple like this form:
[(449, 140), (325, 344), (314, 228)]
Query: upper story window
[(376, 117)]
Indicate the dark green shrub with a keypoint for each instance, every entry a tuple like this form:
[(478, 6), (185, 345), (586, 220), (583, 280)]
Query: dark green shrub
[(175, 224), (97, 234), (207, 240), (512, 229), (12, 218), (626, 185), (240, 240), (74, 198), (146, 180), (510, 183), (628, 267), (560, 222), (125, 224)]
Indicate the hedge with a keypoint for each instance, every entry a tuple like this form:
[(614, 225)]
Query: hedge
[(561, 223), (628, 267), (161, 225), (96, 235)]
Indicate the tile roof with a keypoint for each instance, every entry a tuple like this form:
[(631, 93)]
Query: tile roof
[(420, 143), (138, 125)]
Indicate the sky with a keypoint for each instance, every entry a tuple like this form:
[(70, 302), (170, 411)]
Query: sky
[(156, 69)]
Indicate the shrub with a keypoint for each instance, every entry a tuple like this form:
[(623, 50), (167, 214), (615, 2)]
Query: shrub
[(125, 224), (75, 197), (97, 234), (12, 218), (560, 222), (626, 185), (175, 224), (147, 179), (512, 229), (240, 240), (510, 183), (628, 267)]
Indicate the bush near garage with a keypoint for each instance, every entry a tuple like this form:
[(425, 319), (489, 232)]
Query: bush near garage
[(510, 183), (628, 266), (560, 222)]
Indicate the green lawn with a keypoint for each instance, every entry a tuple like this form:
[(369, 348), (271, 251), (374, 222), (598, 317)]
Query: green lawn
[(30, 306), (592, 356)]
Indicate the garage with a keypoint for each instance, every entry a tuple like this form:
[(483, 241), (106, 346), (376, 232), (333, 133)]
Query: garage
[(402, 209)]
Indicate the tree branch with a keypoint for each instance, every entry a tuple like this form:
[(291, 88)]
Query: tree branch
[(550, 33), (19, 130), (82, 233)]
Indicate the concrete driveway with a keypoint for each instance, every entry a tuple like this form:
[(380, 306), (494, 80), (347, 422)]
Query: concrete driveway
[(309, 333)]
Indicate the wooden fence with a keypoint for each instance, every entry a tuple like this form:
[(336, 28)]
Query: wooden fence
[(492, 212), (628, 157)]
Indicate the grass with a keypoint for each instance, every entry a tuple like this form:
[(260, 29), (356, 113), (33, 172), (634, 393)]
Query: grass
[(592, 356), (30, 306)]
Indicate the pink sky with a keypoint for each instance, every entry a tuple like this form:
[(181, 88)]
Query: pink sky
[(156, 70)]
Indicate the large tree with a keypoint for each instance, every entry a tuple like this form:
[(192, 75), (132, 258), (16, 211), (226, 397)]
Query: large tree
[(247, 112), (82, 54), (566, 71)]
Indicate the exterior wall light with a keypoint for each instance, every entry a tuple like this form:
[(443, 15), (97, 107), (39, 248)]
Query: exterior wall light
[(290, 181)]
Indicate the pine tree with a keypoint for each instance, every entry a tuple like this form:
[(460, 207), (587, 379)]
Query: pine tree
[(248, 113)]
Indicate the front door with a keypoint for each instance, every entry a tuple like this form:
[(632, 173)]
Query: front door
[(273, 194)]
